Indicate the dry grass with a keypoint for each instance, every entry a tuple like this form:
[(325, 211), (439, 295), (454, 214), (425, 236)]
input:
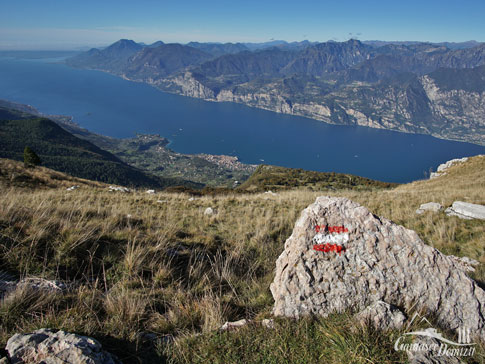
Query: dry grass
[(166, 268), (13, 173)]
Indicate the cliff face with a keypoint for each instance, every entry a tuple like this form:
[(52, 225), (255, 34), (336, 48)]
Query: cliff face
[(419, 107), (459, 110), (186, 85)]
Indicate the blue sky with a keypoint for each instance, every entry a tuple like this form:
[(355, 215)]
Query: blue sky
[(64, 24)]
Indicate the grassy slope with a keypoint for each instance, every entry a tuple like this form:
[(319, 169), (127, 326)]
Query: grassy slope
[(14, 174), (168, 269), (281, 178)]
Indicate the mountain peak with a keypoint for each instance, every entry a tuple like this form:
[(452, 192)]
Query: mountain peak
[(125, 44), (126, 41), (353, 41), (158, 43)]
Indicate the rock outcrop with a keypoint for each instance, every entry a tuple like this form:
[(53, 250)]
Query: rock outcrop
[(466, 210), (8, 284), (186, 84), (366, 259), (430, 206), (441, 170), (49, 346)]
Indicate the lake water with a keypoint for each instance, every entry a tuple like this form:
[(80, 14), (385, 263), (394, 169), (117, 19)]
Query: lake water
[(111, 106)]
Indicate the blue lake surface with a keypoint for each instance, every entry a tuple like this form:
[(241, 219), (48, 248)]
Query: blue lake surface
[(112, 106)]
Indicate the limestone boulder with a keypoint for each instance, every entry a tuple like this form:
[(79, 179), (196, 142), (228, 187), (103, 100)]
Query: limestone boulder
[(9, 283), (210, 211), (118, 189), (466, 210), (233, 325), (430, 206), (341, 257), (57, 347), (268, 323)]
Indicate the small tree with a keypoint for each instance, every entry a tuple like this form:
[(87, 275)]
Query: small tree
[(31, 159)]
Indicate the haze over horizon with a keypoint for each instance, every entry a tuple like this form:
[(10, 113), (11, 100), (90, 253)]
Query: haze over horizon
[(58, 25)]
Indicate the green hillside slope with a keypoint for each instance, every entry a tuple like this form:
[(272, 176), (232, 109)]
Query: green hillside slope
[(280, 178), (60, 150)]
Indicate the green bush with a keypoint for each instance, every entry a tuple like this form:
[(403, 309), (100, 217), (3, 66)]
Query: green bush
[(31, 158)]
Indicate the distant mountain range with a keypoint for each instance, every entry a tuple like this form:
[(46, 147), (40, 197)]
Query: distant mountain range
[(450, 45), (436, 89)]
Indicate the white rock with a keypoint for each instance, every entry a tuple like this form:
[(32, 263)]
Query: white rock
[(466, 210), (118, 189), (43, 284), (382, 261), (9, 284), (446, 165), (430, 206), (72, 188), (150, 192), (210, 211), (57, 347), (382, 316), (268, 323), (441, 170), (233, 325), (450, 212)]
